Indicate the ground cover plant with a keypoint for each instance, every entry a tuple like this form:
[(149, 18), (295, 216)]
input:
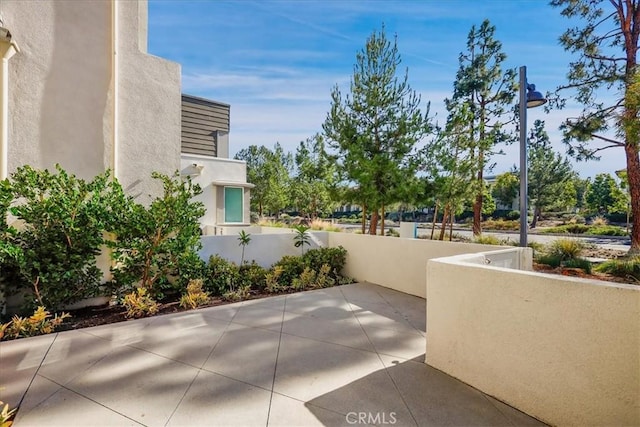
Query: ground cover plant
[(592, 229)]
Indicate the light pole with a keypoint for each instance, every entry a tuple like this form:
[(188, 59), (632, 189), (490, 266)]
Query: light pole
[(529, 98)]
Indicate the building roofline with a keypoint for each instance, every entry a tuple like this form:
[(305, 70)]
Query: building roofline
[(210, 101)]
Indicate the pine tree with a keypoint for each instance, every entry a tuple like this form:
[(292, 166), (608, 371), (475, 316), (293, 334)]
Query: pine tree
[(375, 128), (489, 91), (605, 40)]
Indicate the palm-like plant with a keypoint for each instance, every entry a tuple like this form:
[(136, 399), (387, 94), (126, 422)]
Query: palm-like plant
[(244, 238), (302, 237)]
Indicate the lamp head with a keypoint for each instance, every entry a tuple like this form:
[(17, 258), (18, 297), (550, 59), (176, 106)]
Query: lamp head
[(534, 98)]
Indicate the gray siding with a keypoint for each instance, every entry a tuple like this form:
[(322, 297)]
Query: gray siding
[(201, 121)]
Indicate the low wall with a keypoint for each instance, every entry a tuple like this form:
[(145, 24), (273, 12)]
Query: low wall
[(394, 262), (265, 249), (562, 349)]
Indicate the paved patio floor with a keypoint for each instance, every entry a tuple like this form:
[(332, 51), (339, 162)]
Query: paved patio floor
[(349, 355)]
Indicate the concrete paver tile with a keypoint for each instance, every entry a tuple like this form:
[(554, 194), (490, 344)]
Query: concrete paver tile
[(402, 343), (260, 317), (137, 384), (518, 418), (66, 408), (319, 304), (214, 400), (380, 315), (363, 292), (436, 399), (274, 303), (72, 353), (19, 362), (374, 395), (188, 338), (41, 389), (288, 412), (122, 333), (347, 332), (223, 312), (308, 368), (246, 354)]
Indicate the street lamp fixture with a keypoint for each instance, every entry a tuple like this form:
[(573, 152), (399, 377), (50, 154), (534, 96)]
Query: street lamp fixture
[(529, 98)]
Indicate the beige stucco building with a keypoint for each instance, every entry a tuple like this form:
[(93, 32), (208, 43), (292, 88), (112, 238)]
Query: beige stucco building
[(80, 89)]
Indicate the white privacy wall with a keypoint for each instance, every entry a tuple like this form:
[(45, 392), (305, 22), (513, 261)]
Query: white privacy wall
[(265, 249)]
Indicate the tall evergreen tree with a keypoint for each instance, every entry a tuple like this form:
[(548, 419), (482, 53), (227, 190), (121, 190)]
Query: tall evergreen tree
[(489, 91), (606, 80), (549, 172), (375, 128)]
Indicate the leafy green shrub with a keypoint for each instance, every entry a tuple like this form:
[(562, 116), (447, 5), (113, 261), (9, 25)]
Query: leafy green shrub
[(272, 279), (336, 258), (150, 241), (222, 276), (568, 228), (239, 294), (253, 275), (39, 323), (190, 266), (513, 215), (195, 296), (607, 230), (306, 280), (500, 224), (53, 256), (292, 268), (324, 277), (140, 304), (628, 268)]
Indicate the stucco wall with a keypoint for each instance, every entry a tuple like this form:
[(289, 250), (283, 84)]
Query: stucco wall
[(394, 262), (265, 249), (564, 350), (59, 85), (62, 92), (149, 111)]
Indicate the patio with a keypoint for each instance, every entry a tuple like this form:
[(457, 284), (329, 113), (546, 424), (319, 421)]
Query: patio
[(349, 355)]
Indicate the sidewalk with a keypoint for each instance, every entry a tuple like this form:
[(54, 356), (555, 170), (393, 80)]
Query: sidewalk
[(350, 355)]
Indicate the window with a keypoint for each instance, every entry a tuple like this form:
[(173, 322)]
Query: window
[(233, 204)]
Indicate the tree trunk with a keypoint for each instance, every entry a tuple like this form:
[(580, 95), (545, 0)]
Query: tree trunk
[(382, 221), (364, 218), (452, 217), (477, 208), (373, 226), (445, 218), (433, 225), (537, 211), (633, 175)]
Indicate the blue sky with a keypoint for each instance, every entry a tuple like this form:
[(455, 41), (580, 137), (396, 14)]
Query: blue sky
[(276, 62)]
